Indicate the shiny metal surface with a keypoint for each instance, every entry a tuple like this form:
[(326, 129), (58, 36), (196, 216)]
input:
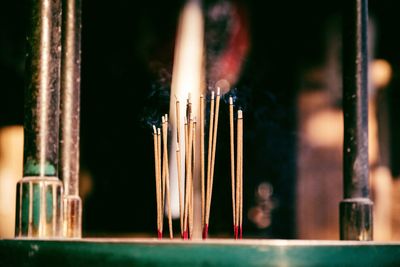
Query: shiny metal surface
[(70, 96), (42, 91), (356, 208), (70, 117), (356, 219)]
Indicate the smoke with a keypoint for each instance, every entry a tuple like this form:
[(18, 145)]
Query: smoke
[(157, 101), (240, 98)]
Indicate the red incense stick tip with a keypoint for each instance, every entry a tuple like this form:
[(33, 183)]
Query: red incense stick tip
[(235, 231), (205, 231), (241, 232), (185, 235), (159, 234)]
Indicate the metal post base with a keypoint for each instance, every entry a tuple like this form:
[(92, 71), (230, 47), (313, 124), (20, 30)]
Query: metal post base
[(39, 207), (72, 217), (356, 219)]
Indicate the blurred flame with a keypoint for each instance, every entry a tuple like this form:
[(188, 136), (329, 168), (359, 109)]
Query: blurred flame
[(11, 152), (187, 77)]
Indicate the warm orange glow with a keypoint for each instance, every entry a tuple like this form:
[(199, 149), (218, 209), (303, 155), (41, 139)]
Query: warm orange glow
[(382, 197), (325, 128), (11, 151), (381, 73)]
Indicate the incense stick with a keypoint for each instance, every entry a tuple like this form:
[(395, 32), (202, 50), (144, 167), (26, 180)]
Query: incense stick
[(191, 210), (184, 235), (240, 137), (214, 143), (166, 174), (188, 180), (237, 177), (177, 120), (163, 167), (186, 142), (161, 216), (156, 179), (193, 143), (193, 122), (232, 137), (178, 160), (190, 144), (202, 160), (210, 141)]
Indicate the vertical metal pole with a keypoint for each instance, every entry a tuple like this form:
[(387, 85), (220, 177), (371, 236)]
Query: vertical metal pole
[(42, 91), (356, 207), (70, 116), (39, 192)]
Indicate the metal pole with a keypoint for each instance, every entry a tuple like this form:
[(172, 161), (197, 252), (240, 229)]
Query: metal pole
[(39, 192), (356, 207), (70, 116)]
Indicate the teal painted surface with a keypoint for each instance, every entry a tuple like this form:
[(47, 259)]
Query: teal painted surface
[(49, 203), (33, 168), (78, 253), (36, 199), (25, 209), (17, 208)]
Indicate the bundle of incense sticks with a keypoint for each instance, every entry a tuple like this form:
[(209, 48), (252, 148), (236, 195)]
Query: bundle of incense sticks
[(186, 203), (237, 190), (187, 213), (162, 176), (185, 181)]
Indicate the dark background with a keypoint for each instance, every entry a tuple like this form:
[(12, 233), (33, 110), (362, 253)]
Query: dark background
[(127, 53)]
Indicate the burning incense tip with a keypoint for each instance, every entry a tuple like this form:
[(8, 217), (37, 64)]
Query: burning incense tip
[(218, 91), (212, 95), (162, 119), (240, 114), (154, 129), (205, 231), (158, 131), (159, 234), (230, 100), (236, 231), (166, 117)]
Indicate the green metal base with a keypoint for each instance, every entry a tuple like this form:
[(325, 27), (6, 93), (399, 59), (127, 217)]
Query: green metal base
[(150, 252), (39, 206)]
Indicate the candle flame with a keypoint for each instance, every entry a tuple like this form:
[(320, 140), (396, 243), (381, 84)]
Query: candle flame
[(187, 81)]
